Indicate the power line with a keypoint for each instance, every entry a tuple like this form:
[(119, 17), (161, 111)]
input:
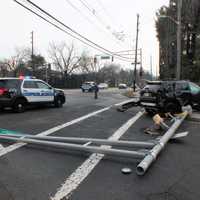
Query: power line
[(94, 13), (90, 21), (56, 25), (97, 47), (79, 11), (75, 32), (105, 11), (118, 26)]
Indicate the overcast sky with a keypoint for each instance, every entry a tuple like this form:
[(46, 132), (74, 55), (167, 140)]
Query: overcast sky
[(97, 22)]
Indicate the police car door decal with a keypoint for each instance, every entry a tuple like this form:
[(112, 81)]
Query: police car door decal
[(30, 91), (46, 92)]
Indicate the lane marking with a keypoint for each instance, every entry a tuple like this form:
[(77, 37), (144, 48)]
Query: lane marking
[(127, 101), (16, 146), (76, 178)]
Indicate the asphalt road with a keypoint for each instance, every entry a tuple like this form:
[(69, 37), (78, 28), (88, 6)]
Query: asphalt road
[(29, 172)]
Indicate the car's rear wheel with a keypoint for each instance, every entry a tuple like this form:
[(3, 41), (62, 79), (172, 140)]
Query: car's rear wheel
[(19, 106), (173, 107), (58, 102)]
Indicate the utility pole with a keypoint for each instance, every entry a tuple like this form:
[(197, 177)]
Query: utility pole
[(151, 69), (178, 72), (136, 48), (46, 72), (32, 54), (141, 59)]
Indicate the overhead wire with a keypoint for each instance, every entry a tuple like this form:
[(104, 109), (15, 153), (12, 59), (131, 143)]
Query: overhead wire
[(57, 26), (95, 14), (97, 47), (106, 12), (91, 22)]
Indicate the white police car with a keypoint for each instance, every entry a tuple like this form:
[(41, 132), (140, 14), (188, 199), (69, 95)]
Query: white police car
[(17, 93)]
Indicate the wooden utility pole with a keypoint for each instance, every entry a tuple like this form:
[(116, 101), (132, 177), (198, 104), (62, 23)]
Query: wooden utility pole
[(136, 48), (151, 68), (32, 54)]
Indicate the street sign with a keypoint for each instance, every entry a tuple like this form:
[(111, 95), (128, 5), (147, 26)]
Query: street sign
[(105, 57)]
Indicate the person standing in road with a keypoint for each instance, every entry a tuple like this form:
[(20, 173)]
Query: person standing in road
[(96, 90)]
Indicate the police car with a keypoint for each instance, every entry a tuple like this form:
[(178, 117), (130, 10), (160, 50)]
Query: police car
[(17, 93)]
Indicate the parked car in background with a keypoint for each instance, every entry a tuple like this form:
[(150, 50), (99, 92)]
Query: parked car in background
[(88, 86), (103, 86), (18, 93), (169, 96), (122, 86)]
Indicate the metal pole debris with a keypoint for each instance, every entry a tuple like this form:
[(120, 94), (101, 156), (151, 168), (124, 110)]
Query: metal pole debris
[(152, 155), (121, 143), (85, 144), (90, 149)]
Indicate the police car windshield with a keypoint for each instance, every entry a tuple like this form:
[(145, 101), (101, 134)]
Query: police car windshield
[(9, 83)]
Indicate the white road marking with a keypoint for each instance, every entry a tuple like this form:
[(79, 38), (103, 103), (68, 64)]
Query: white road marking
[(127, 101), (75, 179), (16, 146)]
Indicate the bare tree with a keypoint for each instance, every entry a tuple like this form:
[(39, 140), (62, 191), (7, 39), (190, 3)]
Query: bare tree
[(21, 56), (64, 57), (86, 63), (3, 68)]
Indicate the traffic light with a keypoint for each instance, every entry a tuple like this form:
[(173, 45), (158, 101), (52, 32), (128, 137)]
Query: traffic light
[(112, 58)]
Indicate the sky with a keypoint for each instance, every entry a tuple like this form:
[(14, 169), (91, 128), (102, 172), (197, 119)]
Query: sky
[(95, 19)]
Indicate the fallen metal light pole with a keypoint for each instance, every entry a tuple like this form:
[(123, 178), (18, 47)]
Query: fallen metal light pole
[(120, 143), (152, 155), (90, 149), (70, 143)]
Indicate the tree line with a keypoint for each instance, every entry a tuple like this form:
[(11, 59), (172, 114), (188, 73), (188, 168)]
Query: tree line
[(67, 68), (166, 27)]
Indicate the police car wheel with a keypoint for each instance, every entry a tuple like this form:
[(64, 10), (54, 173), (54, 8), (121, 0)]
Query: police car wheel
[(58, 102), (19, 106)]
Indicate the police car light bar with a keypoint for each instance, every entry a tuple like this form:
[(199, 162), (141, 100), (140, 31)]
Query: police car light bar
[(26, 77)]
